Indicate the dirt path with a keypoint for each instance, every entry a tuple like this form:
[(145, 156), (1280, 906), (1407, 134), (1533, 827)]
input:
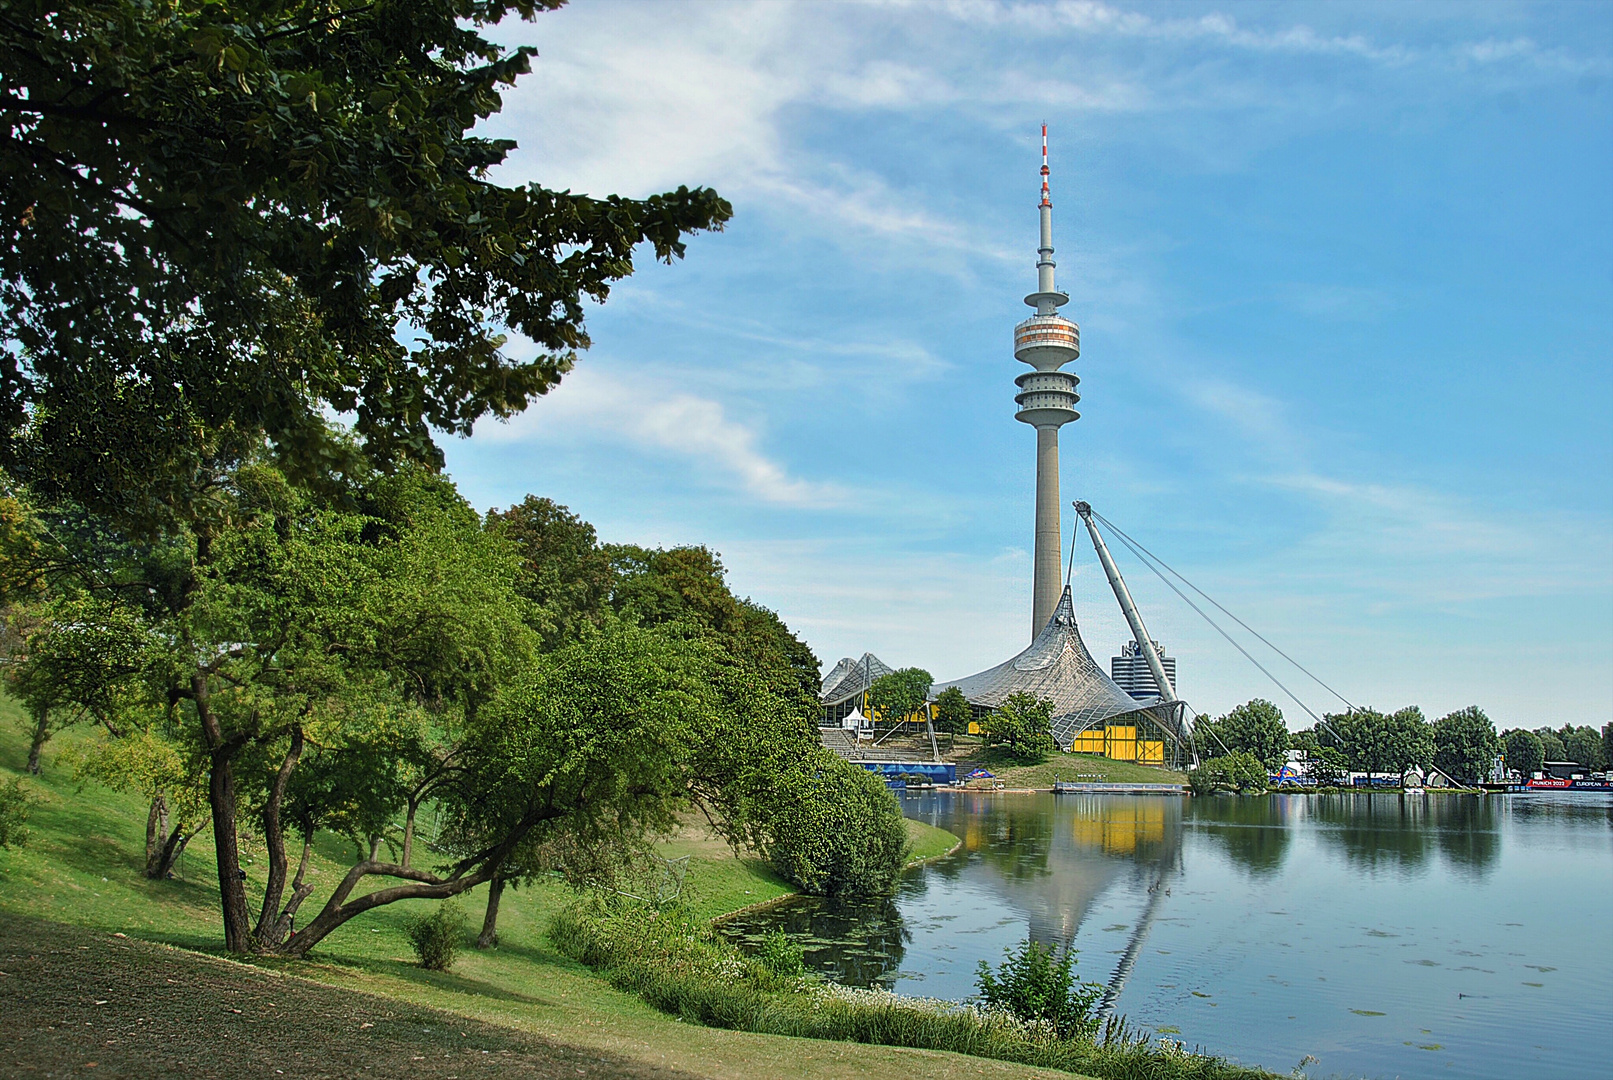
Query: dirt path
[(82, 1003)]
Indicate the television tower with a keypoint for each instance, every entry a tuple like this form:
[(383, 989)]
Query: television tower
[(1046, 341)]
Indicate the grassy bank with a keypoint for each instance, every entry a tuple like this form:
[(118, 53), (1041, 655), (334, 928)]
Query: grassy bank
[(680, 967), (1087, 768), (82, 866)]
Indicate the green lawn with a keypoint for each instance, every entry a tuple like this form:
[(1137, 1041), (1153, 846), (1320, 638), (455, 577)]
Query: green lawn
[(1087, 768), (82, 866)]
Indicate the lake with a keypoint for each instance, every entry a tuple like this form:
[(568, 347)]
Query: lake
[(1382, 934)]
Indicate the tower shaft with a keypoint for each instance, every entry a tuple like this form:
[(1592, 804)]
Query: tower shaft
[(1045, 584)]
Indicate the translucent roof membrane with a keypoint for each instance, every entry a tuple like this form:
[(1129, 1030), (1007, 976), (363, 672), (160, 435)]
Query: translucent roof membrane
[(849, 678), (1057, 667)]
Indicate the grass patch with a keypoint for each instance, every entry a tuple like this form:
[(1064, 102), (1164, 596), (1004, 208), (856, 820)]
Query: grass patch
[(680, 967), (1086, 768)]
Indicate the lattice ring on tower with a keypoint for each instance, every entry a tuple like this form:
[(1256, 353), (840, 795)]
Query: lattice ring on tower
[(1047, 398)]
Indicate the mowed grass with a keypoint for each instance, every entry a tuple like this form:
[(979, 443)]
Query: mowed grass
[(1085, 768), (82, 866)]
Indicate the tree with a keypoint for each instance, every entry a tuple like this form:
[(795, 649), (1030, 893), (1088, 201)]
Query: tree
[(1585, 747), (1465, 745), (1551, 744), (900, 694), (1607, 744), (1328, 766), (953, 711), (1022, 726), (1255, 727), (218, 216), (1524, 752), (171, 777), (565, 571), (1410, 739)]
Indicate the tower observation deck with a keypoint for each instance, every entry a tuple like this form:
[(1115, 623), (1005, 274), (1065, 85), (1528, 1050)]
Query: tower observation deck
[(1046, 399)]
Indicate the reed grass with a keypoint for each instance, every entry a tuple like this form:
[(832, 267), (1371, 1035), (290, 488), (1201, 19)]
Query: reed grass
[(681, 968)]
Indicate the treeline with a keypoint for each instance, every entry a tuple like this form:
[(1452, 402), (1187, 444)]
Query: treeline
[(340, 661), (1463, 744)]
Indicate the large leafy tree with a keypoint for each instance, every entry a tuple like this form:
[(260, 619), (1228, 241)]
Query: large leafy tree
[(1255, 727), (1524, 752), (220, 220), (1021, 726), (565, 571), (900, 694), (1465, 745)]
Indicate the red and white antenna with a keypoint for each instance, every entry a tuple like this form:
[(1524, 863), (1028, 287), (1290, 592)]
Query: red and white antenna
[(1047, 199)]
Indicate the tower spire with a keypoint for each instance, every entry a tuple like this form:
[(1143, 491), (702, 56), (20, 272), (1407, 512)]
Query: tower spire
[(1046, 341)]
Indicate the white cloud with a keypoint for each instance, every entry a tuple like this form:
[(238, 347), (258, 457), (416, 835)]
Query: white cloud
[(651, 417)]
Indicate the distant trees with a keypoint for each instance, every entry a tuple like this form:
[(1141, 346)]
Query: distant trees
[(1465, 745), (1022, 727), (900, 694), (1524, 752), (953, 711), (1581, 744), (1239, 771), (1255, 727), (1584, 745), (1374, 742)]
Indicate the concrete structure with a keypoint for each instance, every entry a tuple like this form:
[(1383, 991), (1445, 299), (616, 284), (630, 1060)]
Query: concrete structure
[(1046, 341), (1130, 671), (1164, 687)]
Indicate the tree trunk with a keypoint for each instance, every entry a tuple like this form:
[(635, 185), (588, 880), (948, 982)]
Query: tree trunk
[(274, 837), (408, 832), (489, 935), (172, 849), (41, 736), (272, 936), (156, 834), (221, 799)]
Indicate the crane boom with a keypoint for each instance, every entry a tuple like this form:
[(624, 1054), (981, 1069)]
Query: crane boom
[(1139, 632)]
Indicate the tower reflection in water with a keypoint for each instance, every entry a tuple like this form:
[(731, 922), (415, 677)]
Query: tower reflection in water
[(1039, 864)]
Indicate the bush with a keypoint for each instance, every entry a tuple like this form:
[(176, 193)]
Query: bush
[(1233, 772), (832, 828), (14, 804), (438, 937), (782, 955), (1038, 986)]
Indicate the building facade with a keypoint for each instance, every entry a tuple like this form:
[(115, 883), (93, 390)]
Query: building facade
[(1130, 671)]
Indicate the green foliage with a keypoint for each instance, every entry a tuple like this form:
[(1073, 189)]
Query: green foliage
[(14, 805), (565, 572), (217, 216), (1328, 766), (683, 969), (1607, 745), (1524, 752), (1255, 727), (1584, 745), (1465, 745), (782, 955), (437, 937), (1374, 742), (1021, 726), (900, 694), (1037, 985), (1551, 744), (1235, 772), (832, 828), (953, 711)]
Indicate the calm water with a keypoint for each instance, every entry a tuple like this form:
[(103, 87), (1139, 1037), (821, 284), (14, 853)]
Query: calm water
[(1385, 935)]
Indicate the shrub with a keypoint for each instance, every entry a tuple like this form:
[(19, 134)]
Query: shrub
[(782, 955), (832, 828), (1233, 772), (14, 804), (1037, 985), (437, 937)]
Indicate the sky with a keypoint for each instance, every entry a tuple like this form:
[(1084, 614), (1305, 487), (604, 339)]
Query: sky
[(1344, 277)]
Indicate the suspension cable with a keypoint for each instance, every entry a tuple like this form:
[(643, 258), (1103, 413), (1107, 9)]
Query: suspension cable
[(1230, 640), (1138, 547)]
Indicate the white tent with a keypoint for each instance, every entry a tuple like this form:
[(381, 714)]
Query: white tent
[(854, 720)]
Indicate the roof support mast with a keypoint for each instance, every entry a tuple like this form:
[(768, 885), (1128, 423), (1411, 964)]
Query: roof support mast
[(1139, 632)]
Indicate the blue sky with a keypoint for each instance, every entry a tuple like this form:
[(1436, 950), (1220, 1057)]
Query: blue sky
[(1344, 275)]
